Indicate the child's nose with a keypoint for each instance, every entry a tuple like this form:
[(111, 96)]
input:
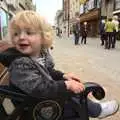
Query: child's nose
[(22, 35)]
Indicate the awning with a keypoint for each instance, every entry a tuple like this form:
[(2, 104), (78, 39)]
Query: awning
[(116, 12), (91, 15)]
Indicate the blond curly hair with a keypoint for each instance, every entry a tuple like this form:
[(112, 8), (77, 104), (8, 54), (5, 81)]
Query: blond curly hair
[(32, 20)]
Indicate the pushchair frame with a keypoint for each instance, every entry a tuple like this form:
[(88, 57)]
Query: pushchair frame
[(25, 101)]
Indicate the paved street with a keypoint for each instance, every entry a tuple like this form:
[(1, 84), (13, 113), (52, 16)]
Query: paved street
[(92, 63)]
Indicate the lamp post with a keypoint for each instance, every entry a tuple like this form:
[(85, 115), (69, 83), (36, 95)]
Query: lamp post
[(68, 17)]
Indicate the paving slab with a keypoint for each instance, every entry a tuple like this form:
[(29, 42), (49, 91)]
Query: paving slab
[(92, 63)]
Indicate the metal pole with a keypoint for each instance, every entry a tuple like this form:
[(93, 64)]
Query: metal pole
[(68, 16)]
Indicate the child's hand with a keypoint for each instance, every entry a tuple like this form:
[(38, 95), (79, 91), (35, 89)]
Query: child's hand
[(74, 86), (4, 45), (71, 76)]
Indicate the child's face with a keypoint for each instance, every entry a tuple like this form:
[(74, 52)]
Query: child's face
[(28, 41)]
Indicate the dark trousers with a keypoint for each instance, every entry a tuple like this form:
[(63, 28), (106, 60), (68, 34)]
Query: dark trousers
[(94, 109), (109, 40), (114, 39), (83, 39), (76, 39), (103, 38)]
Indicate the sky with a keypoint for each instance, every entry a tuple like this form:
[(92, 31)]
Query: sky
[(48, 8)]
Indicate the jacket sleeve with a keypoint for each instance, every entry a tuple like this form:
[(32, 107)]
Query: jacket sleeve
[(56, 74), (25, 76), (8, 56), (4, 58)]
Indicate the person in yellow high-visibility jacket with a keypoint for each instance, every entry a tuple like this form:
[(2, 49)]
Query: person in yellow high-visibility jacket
[(109, 29)]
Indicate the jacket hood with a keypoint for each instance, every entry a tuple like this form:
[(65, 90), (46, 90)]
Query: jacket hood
[(9, 55)]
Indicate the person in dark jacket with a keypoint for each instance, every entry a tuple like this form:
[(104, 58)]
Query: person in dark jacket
[(76, 31), (31, 66), (84, 32), (102, 32)]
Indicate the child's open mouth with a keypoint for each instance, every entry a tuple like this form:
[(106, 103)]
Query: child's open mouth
[(23, 46)]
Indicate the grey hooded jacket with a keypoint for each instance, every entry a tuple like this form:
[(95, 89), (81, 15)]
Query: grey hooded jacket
[(32, 78)]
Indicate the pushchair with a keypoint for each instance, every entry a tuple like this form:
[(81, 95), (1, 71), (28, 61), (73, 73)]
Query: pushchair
[(30, 108), (42, 109)]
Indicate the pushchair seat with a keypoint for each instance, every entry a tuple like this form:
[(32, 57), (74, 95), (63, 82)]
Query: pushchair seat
[(44, 109)]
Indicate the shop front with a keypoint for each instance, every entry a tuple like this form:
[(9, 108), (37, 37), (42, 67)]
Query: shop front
[(92, 19)]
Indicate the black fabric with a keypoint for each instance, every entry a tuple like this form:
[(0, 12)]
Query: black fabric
[(76, 28), (8, 56), (56, 74)]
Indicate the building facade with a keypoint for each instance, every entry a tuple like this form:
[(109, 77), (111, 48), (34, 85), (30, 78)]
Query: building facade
[(90, 13), (109, 8), (87, 10), (74, 12), (8, 8), (70, 8), (116, 10), (74, 8), (59, 21), (66, 16)]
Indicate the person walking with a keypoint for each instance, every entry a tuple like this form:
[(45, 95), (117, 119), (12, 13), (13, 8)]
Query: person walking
[(109, 29), (84, 32), (76, 31), (102, 32)]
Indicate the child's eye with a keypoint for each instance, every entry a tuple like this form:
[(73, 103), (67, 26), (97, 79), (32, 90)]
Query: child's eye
[(30, 32), (16, 34)]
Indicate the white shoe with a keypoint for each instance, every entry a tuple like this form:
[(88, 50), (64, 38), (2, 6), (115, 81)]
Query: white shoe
[(108, 108)]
